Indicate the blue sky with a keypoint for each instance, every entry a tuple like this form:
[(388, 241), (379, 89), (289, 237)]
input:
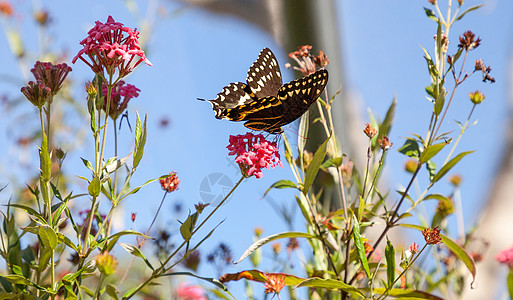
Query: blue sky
[(195, 54)]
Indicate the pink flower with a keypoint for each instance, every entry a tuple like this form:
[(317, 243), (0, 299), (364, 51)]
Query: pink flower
[(110, 47), (190, 292), (506, 257), (414, 248), (51, 75), (37, 93), (119, 90), (254, 152)]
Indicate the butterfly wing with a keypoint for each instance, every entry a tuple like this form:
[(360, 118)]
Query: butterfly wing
[(297, 96), (264, 76), (233, 95)]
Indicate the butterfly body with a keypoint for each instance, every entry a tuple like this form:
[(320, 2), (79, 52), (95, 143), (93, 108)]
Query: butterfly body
[(264, 102)]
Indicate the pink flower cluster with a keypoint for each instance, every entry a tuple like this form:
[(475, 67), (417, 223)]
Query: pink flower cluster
[(506, 257), (254, 152), (120, 89), (110, 47), (51, 75), (190, 292)]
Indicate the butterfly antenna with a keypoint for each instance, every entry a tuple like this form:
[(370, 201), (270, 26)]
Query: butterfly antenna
[(290, 130)]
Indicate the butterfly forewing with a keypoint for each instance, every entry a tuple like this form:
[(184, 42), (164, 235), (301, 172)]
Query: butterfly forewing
[(297, 96), (264, 76)]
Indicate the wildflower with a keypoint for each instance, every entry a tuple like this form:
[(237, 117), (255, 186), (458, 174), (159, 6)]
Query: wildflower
[(106, 263), (476, 97), (292, 245), (200, 207), (370, 131), (368, 248), (385, 143), (321, 60), (51, 75), (480, 66), (42, 17), (170, 183), (120, 89), (111, 46), (37, 93), (506, 257), (254, 152), (190, 292), (258, 231), (411, 165), (192, 260), (460, 2), (6, 8), (432, 2), (133, 217), (414, 248), (468, 41), (276, 246), (306, 61), (274, 283), (445, 207), (432, 235), (347, 171), (444, 43), (455, 179)]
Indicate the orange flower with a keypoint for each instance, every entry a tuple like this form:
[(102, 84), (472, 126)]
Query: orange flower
[(170, 184), (370, 131), (274, 283)]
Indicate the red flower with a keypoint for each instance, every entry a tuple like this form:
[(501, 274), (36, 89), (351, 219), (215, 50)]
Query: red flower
[(120, 89), (37, 93), (414, 248), (170, 184), (506, 257), (432, 235), (190, 292), (51, 75), (254, 152), (110, 47)]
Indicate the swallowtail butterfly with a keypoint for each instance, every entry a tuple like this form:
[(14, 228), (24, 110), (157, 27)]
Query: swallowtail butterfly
[(263, 101)]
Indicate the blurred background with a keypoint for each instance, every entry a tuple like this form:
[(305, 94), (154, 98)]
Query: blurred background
[(199, 46)]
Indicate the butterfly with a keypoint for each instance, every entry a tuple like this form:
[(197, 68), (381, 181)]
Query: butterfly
[(264, 102)]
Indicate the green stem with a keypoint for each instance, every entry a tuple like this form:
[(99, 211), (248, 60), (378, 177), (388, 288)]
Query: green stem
[(163, 268)]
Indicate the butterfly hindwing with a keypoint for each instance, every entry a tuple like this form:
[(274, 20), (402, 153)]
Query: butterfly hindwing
[(264, 76)]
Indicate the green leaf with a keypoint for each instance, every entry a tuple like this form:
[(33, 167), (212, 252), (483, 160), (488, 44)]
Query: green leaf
[(454, 247), (410, 148), (48, 236), (431, 14), (281, 184), (449, 165), (113, 239), (438, 197), (17, 279), (29, 211), (94, 187), (431, 168), (390, 258), (331, 284), (315, 164), (136, 252), (333, 162), (188, 226), (111, 291), (135, 190), (360, 248), (88, 164), (64, 239), (431, 151), (140, 140), (214, 281), (302, 133), (407, 294), (44, 160), (439, 102), (466, 11), (384, 128), (115, 164), (271, 238)]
